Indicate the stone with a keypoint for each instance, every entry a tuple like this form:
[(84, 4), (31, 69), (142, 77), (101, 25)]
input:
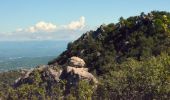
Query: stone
[(98, 54), (41, 67), (76, 62), (28, 73), (24, 71), (82, 73), (102, 28), (55, 74)]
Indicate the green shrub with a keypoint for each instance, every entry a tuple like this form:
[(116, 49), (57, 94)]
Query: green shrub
[(149, 79)]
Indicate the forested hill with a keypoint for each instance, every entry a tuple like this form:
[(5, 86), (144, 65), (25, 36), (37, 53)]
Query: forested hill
[(136, 37), (129, 60)]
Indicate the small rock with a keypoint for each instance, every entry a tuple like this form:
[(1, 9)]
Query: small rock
[(41, 67), (98, 54)]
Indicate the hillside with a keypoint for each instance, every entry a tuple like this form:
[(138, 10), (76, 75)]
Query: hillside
[(128, 60), (137, 37)]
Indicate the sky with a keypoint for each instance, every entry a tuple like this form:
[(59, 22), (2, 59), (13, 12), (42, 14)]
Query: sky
[(30, 20)]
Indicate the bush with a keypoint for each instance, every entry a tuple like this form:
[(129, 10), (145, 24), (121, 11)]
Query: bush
[(149, 79)]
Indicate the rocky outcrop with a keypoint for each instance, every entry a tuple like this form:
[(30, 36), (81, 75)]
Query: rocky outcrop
[(77, 71), (73, 73)]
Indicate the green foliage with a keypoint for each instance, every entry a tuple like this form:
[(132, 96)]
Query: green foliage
[(83, 91), (9, 77), (27, 92), (148, 79)]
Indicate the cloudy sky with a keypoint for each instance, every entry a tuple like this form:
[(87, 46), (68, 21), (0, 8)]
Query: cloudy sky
[(22, 20)]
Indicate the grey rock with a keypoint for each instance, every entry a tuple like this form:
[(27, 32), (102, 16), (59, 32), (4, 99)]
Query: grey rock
[(76, 62), (82, 74), (55, 74)]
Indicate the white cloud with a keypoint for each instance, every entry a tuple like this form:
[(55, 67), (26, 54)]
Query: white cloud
[(74, 25), (19, 30), (47, 31), (42, 27), (50, 27)]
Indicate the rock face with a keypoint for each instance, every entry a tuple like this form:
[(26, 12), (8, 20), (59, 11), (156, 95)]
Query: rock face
[(73, 73)]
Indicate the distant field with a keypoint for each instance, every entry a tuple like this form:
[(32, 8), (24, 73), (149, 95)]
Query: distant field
[(25, 62), (16, 55)]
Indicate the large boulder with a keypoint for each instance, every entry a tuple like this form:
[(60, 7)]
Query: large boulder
[(76, 62), (77, 74)]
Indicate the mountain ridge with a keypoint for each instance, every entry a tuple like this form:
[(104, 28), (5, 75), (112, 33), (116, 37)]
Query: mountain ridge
[(131, 37)]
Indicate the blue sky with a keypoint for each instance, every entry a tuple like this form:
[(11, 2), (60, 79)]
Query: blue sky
[(65, 19)]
